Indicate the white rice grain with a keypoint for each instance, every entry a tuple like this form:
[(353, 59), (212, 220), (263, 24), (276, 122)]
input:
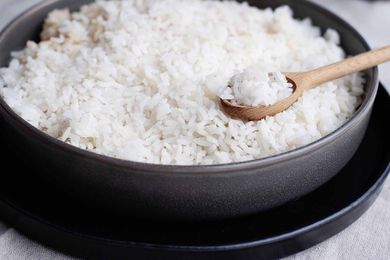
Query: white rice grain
[(254, 87)]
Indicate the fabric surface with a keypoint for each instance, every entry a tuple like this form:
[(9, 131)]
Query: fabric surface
[(367, 238)]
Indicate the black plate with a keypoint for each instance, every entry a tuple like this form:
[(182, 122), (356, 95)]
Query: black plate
[(80, 230)]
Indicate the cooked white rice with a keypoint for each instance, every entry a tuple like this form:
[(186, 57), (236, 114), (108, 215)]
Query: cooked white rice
[(254, 87), (139, 80)]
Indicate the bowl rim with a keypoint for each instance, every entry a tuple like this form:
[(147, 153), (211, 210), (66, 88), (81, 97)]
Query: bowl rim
[(199, 170)]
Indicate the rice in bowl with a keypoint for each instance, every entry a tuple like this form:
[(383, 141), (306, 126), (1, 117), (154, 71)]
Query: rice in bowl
[(140, 80)]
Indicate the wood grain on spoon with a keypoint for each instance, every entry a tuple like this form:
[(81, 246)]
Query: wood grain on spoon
[(302, 81)]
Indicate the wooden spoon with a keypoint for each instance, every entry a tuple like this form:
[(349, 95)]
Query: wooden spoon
[(302, 81)]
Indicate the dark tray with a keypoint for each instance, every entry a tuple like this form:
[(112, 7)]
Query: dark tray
[(83, 231)]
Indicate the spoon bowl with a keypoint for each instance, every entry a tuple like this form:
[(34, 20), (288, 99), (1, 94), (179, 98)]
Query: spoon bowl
[(254, 113)]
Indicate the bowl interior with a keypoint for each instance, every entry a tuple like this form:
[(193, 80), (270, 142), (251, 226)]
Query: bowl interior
[(28, 26)]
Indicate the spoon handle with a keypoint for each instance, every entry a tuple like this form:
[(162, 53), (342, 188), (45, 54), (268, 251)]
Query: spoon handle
[(345, 67)]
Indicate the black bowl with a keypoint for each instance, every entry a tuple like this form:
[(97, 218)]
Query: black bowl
[(188, 193)]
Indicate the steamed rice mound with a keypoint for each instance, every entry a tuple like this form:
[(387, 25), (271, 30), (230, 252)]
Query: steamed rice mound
[(140, 80), (254, 87)]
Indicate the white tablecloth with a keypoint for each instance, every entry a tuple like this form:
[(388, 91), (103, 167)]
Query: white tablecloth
[(367, 238)]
